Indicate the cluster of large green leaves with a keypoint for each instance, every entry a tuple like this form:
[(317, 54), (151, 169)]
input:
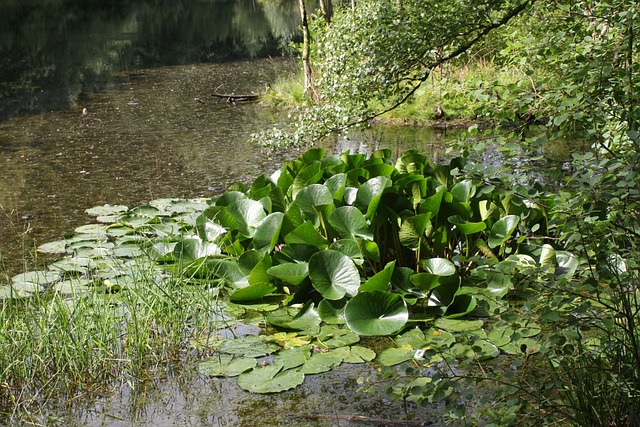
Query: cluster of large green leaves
[(328, 248), (359, 240)]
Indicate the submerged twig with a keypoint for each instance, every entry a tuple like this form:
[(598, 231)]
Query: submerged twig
[(361, 419)]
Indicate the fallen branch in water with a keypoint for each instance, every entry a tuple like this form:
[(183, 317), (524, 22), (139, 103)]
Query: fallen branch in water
[(361, 419), (236, 98)]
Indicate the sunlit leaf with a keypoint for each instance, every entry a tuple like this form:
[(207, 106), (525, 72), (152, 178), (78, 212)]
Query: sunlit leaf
[(376, 313), (270, 379), (333, 274)]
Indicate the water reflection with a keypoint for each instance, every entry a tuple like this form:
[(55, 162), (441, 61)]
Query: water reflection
[(52, 52), (148, 138)]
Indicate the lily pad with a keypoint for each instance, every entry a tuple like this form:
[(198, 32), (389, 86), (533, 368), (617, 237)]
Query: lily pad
[(57, 247), (226, 365), (247, 346), (270, 379), (333, 274), (321, 362)]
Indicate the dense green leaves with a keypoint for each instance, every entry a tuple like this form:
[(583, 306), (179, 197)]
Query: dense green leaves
[(328, 249)]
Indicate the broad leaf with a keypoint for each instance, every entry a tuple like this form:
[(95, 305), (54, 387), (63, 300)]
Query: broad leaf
[(333, 274), (350, 223), (502, 230), (290, 272), (270, 379), (376, 313), (225, 365)]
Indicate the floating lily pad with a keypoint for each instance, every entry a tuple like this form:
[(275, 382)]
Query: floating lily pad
[(288, 340), (292, 357), (395, 356), (306, 319), (321, 362), (37, 277), (458, 325), (270, 379), (57, 247), (19, 290), (356, 354), (333, 336), (107, 210), (226, 365), (247, 346), (73, 287)]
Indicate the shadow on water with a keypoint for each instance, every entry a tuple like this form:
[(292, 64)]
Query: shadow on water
[(52, 52)]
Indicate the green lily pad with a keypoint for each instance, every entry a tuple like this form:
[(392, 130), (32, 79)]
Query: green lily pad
[(381, 280), (252, 292), (106, 210), (395, 356), (332, 336), (290, 272), (321, 362), (37, 277), (57, 247), (226, 365), (267, 232), (355, 354), (247, 346), (73, 287), (270, 379), (350, 223), (332, 311), (306, 319), (458, 325), (292, 357)]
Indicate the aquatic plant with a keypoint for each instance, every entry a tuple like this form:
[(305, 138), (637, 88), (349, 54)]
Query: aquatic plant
[(325, 250)]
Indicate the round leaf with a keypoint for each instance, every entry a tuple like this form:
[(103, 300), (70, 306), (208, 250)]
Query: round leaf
[(333, 274), (376, 313), (270, 379), (502, 230), (350, 223)]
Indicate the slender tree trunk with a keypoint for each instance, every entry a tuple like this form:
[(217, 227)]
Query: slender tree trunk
[(326, 14), (306, 40), (353, 5)]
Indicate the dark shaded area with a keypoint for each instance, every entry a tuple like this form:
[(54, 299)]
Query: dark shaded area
[(54, 51)]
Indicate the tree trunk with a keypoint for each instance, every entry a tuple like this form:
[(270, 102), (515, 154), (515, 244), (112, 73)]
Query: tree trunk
[(326, 14), (353, 5), (306, 40)]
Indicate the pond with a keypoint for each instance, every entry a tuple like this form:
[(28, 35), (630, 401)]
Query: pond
[(129, 137), (111, 104)]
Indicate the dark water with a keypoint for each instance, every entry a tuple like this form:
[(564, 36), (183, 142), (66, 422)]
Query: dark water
[(110, 102), (54, 51)]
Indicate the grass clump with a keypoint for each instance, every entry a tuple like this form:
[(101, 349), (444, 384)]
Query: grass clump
[(89, 339)]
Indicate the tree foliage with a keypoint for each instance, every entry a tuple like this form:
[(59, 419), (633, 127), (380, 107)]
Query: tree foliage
[(379, 54)]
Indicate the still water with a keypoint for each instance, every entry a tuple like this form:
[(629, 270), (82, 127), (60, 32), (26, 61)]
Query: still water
[(95, 111), (158, 133)]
